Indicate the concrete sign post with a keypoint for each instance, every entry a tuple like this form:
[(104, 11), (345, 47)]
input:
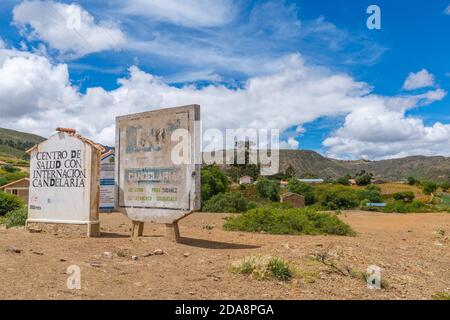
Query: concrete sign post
[(64, 181), (152, 184)]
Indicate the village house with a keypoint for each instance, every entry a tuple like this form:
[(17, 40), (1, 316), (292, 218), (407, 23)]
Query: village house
[(246, 180), (18, 188), (294, 199), (284, 184)]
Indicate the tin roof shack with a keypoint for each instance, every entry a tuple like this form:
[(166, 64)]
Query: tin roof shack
[(18, 188), (64, 181), (312, 181)]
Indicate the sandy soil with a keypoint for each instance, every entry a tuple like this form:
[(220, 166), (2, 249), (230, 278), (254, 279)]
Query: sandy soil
[(413, 251)]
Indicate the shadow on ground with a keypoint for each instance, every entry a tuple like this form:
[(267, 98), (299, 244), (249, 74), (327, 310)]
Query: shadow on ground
[(209, 244), (113, 235)]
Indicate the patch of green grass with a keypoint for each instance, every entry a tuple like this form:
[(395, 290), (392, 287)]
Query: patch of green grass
[(441, 296), (121, 253), (16, 218), (263, 268), (288, 221), (279, 269), (308, 276), (446, 199)]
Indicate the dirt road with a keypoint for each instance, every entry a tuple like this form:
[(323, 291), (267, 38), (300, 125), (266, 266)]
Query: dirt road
[(413, 251)]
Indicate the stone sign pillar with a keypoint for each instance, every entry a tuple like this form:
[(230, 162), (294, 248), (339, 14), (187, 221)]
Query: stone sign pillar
[(158, 166), (64, 181)]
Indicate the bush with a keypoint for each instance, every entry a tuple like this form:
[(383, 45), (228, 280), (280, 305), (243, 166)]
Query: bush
[(415, 206), (267, 189), (363, 179), (338, 198), (429, 187), (10, 168), (231, 202), (413, 181), (445, 186), (373, 195), (279, 269), (213, 181), (302, 189), (345, 181), (373, 187), (9, 202), (263, 268), (289, 221), (16, 218), (405, 196)]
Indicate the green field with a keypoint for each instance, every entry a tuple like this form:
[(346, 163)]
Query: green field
[(446, 199)]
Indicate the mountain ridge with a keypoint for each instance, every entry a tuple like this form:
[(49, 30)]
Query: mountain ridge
[(305, 162)]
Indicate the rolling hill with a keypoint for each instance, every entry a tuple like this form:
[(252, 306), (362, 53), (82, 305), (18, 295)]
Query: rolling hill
[(14, 143), (314, 164), (306, 163)]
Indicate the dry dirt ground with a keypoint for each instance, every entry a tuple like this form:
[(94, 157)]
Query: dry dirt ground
[(413, 251)]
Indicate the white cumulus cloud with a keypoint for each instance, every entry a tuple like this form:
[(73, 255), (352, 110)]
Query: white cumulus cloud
[(67, 28), (290, 143), (37, 96), (421, 79)]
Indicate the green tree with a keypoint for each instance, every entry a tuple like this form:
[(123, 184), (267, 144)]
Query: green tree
[(429, 188), (345, 180), (363, 178), (338, 198), (413, 181), (230, 202), (405, 196), (9, 202), (290, 172), (267, 189), (213, 181), (237, 170)]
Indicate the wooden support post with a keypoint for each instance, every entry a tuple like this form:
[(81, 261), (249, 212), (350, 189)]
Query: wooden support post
[(93, 230), (173, 232), (140, 230)]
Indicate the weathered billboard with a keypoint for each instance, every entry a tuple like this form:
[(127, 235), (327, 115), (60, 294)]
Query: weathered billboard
[(64, 181), (151, 183)]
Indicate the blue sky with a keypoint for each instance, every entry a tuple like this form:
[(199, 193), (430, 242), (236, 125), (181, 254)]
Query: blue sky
[(310, 68)]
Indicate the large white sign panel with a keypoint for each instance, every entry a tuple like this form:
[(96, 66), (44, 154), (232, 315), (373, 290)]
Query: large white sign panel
[(150, 186), (64, 181)]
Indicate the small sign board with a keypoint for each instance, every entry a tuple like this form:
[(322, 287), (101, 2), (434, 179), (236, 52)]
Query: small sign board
[(107, 194), (151, 183)]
